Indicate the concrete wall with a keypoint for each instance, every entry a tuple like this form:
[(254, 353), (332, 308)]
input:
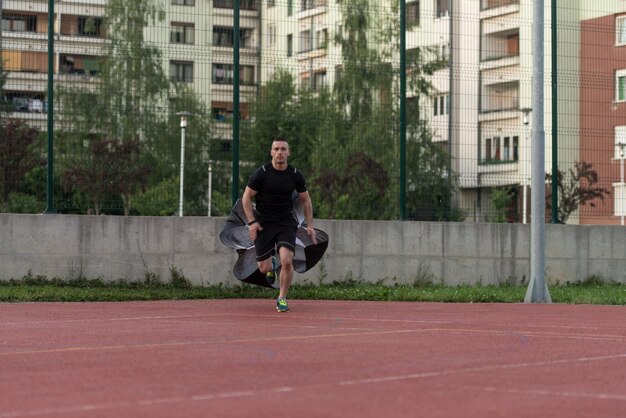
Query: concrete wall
[(115, 247)]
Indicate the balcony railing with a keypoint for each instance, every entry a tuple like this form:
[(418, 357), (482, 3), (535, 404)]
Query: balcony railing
[(243, 4), (493, 56), (492, 4), (311, 4)]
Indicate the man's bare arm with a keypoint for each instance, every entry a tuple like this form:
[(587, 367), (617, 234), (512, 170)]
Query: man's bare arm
[(307, 207), (246, 202)]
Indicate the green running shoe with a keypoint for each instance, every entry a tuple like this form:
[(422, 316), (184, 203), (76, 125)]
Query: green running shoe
[(271, 275), (281, 305)]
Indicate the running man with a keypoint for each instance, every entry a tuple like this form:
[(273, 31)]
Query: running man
[(272, 226)]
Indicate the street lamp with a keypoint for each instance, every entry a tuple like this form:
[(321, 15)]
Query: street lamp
[(525, 180), (183, 126), (210, 187)]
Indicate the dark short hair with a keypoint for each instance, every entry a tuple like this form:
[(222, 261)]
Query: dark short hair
[(280, 138)]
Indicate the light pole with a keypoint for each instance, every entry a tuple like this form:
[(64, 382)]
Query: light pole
[(183, 126), (210, 187), (526, 121)]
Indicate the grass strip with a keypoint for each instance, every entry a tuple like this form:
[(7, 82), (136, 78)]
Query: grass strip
[(83, 290)]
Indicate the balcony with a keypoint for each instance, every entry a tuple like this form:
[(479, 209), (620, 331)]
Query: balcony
[(76, 64), (252, 5), (82, 26), (311, 4), (310, 8), (224, 37), (500, 97), (500, 49)]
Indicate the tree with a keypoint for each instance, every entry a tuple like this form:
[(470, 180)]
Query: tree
[(282, 110), (429, 186), (17, 157), (346, 139), (4, 106), (501, 198), (356, 156), (364, 92), (273, 115), (164, 153), (113, 168), (578, 189), (135, 101), (132, 87)]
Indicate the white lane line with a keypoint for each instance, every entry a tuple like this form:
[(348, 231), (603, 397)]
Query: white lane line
[(535, 392), (337, 320), (144, 402), (616, 338), (384, 379), (374, 380)]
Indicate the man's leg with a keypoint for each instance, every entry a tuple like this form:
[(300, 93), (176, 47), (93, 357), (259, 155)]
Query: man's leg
[(265, 246), (286, 271), (265, 265)]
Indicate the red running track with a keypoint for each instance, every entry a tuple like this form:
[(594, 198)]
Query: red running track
[(239, 358)]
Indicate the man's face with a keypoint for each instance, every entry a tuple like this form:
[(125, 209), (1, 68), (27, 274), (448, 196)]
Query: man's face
[(279, 151)]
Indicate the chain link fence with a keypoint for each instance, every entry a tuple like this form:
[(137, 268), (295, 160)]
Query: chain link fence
[(135, 81)]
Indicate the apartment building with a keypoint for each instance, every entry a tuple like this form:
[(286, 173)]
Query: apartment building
[(78, 43), (298, 37), (195, 39), (488, 124), (481, 107), (603, 106)]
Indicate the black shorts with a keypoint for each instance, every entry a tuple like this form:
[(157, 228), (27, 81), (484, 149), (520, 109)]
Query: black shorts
[(273, 236)]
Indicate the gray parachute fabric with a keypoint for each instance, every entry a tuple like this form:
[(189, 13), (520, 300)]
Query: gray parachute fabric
[(234, 235)]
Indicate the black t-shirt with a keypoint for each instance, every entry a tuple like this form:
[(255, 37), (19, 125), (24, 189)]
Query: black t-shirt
[(274, 191)]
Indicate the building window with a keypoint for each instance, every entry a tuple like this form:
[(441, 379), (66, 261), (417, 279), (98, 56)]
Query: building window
[(413, 13), (620, 26), (321, 38), (311, 4), (289, 7), (440, 105), (90, 26), (506, 149), (224, 74), (496, 151), (19, 23), (181, 71), (271, 35), (271, 3), (222, 111), (306, 41), (445, 52), (289, 45), (500, 150), (319, 80), (79, 64), (620, 143), (184, 2), (25, 101), (442, 8), (182, 33), (620, 85), (225, 36), (225, 147)]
